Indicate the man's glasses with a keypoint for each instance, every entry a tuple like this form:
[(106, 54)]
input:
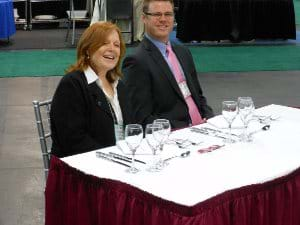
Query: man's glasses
[(158, 15)]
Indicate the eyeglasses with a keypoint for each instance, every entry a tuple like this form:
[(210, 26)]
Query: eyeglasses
[(158, 15)]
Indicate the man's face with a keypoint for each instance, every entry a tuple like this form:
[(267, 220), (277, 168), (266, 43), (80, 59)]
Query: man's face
[(159, 20)]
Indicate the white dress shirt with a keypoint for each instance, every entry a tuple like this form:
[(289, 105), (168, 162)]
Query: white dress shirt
[(91, 77)]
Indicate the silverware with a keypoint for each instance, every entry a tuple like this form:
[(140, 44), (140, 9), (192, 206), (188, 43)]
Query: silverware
[(183, 143), (214, 133), (266, 119), (188, 143), (218, 131), (206, 132), (104, 156), (125, 158), (264, 128), (182, 155)]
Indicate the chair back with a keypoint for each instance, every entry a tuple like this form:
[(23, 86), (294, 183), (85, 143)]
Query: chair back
[(121, 10), (42, 117), (78, 14)]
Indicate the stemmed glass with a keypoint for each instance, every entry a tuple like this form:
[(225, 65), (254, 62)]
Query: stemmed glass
[(246, 110), (152, 134), (162, 136), (166, 130), (133, 138), (229, 112)]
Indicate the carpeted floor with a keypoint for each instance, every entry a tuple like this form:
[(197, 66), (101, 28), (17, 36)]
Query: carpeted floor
[(207, 59), (37, 58)]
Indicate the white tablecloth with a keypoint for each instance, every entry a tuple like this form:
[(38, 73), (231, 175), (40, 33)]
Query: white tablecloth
[(188, 181)]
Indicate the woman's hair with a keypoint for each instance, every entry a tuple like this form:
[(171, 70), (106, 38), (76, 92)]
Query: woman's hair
[(147, 2), (90, 41)]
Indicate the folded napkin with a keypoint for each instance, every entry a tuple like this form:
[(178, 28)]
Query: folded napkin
[(237, 126), (143, 149), (220, 123)]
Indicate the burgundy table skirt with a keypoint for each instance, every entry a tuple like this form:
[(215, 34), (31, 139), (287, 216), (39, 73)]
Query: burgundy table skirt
[(75, 198)]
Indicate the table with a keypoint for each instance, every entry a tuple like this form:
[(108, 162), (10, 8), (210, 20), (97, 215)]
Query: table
[(7, 24), (242, 183), (33, 8), (215, 20)]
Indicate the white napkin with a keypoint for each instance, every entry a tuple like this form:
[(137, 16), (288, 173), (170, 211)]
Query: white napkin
[(237, 126), (143, 149), (220, 123)]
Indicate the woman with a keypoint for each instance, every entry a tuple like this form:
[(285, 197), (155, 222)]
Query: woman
[(90, 106)]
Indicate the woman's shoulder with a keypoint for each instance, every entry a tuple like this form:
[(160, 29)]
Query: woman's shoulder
[(74, 75), (71, 80)]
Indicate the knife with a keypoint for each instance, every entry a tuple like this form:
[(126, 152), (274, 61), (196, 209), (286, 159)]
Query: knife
[(125, 158), (104, 156), (201, 131), (211, 132), (217, 131)]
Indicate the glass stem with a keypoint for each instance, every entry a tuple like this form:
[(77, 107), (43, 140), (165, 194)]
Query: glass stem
[(161, 146), (245, 131), (132, 159), (230, 135)]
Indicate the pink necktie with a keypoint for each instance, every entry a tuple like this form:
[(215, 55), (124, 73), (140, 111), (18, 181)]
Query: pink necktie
[(193, 110)]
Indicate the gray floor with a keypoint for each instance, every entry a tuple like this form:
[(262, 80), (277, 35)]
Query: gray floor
[(21, 174)]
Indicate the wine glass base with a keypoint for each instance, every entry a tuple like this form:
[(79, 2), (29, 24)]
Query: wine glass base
[(132, 170), (153, 169), (229, 141), (246, 138)]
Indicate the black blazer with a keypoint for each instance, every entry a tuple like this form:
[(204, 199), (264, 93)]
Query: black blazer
[(81, 120), (153, 90)]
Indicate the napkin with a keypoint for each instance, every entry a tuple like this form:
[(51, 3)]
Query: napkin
[(220, 123), (143, 149)]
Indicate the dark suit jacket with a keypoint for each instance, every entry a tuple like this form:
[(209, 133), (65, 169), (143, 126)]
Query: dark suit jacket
[(153, 90), (81, 120)]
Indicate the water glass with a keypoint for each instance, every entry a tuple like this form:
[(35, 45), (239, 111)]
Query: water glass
[(165, 131), (133, 138), (245, 111), (229, 112), (152, 132)]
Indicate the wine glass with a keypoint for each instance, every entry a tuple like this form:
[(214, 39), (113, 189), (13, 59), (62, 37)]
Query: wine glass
[(165, 132), (229, 112), (133, 138), (152, 132), (246, 110), (162, 136)]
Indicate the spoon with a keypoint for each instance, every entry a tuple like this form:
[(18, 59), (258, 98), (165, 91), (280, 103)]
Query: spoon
[(264, 128), (184, 143), (188, 143), (182, 155), (266, 119)]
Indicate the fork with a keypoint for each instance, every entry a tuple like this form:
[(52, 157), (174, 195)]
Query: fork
[(184, 143)]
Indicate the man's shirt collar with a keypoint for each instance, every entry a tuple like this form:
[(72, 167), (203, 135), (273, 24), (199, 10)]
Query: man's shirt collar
[(160, 45)]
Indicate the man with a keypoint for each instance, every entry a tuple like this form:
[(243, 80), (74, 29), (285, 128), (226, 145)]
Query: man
[(163, 84)]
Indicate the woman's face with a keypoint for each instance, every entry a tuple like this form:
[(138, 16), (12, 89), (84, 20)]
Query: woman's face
[(107, 56)]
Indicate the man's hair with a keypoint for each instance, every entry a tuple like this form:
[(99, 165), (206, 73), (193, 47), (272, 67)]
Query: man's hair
[(147, 2)]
